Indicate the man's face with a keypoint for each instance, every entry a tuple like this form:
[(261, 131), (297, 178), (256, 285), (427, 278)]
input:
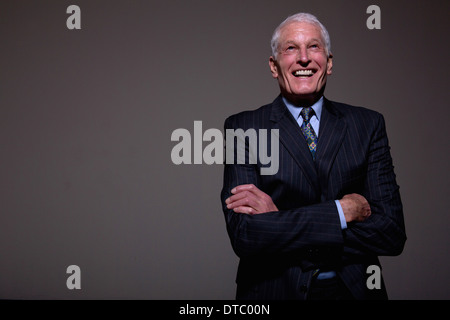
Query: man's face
[(302, 63)]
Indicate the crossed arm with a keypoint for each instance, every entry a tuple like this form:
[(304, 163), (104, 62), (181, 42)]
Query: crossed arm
[(248, 199), (375, 220)]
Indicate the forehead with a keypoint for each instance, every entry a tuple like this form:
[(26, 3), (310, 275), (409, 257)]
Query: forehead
[(300, 31)]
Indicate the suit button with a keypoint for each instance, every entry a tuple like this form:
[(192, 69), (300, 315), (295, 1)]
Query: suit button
[(303, 288)]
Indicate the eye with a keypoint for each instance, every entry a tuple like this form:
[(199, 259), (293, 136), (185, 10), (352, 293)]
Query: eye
[(290, 49)]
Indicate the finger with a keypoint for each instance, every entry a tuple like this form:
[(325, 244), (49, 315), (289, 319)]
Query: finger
[(247, 187), (245, 210), (243, 198), (248, 202), (237, 196), (241, 187)]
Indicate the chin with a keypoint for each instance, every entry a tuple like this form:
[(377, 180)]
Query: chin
[(305, 93)]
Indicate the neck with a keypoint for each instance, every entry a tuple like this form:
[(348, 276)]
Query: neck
[(302, 101)]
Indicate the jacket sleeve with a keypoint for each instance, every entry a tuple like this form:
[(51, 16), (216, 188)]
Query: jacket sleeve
[(383, 233)]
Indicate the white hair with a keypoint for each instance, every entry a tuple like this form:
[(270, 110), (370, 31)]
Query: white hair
[(300, 17)]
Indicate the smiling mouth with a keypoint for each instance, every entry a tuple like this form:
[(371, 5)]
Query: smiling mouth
[(303, 73)]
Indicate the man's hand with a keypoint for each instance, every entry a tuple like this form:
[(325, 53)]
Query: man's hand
[(355, 207), (249, 199)]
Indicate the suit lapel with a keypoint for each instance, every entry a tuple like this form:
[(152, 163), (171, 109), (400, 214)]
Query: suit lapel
[(292, 139), (332, 132)]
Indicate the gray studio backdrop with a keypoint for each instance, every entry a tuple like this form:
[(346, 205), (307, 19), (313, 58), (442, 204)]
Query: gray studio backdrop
[(86, 117)]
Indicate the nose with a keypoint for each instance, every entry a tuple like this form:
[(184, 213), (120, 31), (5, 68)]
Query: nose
[(303, 57)]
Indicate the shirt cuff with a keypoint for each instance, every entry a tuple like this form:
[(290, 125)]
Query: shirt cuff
[(341, 215)]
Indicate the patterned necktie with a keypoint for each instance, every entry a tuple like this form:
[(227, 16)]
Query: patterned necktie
[(308, 130)]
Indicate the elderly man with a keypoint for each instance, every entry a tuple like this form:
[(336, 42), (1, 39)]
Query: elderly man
[(312, 229)]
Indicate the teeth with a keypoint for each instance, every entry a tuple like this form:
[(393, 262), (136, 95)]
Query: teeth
[(303, 73)]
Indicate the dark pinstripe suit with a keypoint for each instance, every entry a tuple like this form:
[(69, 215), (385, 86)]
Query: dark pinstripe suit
[(279, 250)]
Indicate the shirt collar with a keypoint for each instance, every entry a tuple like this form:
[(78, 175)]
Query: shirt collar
[(295, 110)]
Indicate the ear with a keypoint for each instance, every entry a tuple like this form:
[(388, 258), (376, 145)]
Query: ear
[(273, 67), (330, 64)]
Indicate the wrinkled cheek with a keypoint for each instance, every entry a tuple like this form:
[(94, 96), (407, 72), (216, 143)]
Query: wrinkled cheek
[(322, 81), (284, 83)]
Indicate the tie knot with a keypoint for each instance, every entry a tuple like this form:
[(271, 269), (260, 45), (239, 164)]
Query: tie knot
[(307, 113)]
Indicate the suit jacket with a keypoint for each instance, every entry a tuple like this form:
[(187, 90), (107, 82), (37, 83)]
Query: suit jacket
[(280, 250)]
